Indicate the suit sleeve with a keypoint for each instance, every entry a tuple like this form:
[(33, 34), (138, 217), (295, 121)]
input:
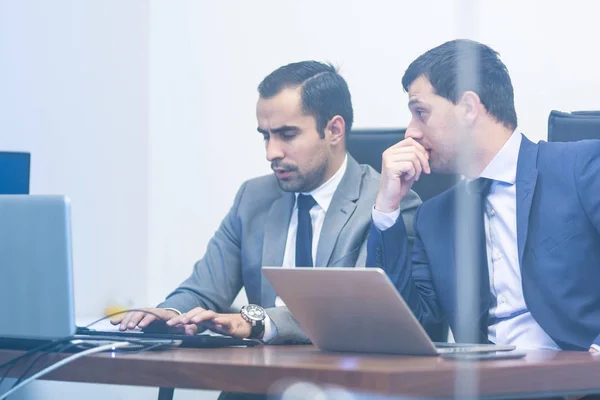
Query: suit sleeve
[(288, 330), (587, 178), (409, 270), (408, 210), (217, 277)]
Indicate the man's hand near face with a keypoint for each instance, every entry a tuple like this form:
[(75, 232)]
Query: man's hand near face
[(402, 165)]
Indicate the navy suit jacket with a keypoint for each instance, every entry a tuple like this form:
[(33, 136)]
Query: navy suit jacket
[(558, 235)]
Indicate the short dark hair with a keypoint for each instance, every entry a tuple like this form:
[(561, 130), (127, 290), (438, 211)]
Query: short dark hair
[(325, 93), (444, 64)]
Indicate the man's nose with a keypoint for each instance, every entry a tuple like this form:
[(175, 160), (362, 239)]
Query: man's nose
[(274, 149), (413, 132)]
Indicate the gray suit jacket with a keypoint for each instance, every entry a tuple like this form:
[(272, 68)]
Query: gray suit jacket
[(254, 233)]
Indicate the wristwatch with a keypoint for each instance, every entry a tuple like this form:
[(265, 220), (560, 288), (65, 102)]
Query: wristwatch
[(255, 315)]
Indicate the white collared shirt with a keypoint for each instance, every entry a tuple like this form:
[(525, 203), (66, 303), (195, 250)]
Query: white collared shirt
[(323, 196), (517, 326)]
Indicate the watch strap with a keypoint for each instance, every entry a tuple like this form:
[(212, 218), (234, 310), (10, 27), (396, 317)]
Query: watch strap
[(258, 328)]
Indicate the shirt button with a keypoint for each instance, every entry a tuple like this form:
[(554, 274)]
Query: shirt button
[(492, 212), (498, 256)]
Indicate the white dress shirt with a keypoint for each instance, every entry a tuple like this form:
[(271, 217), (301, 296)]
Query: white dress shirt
[(322, 195), (515, 325)]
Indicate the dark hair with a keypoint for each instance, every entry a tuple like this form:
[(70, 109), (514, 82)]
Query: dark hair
[(325, 93), (447, 68)]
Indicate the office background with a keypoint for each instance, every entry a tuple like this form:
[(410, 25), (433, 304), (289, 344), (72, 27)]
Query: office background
[(143, 111)]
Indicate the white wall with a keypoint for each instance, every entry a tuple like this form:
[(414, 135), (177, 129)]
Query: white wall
[(143, 111), (74, 92), (550, 49), (207, 58)]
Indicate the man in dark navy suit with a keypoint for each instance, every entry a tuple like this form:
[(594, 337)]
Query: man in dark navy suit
[(535, 225)]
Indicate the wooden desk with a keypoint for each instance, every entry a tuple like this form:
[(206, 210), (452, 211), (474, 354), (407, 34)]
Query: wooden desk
[(260, 369)]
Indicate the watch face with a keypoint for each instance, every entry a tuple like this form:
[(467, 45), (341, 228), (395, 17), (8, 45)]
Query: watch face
[(254, 312)]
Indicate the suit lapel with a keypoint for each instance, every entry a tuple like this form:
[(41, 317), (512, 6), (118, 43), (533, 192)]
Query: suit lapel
[(340, 210), (452, 225), (526, 180), (276, 230)]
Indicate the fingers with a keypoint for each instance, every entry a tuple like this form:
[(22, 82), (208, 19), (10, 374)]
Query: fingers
[(223, 325), (141, 318), (232, 325), (401, 158), (409, 142), (131, 320), (195, 316), (203, 316), (410, 159), (223, 322), (154, 314), (408, 164), (199, 319), (402, 164), (191, 329), (116, 320), (406, 152), (147, 320)]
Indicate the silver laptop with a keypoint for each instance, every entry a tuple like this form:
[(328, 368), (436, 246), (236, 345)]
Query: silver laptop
[(36, 278), (357, 310)]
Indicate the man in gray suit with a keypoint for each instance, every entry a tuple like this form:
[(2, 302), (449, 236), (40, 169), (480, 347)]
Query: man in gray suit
[(316, 206)]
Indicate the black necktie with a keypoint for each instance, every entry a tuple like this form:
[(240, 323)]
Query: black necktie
[(480, 187), (304, 232)]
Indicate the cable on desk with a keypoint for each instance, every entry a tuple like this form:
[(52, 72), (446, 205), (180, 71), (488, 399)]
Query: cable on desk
[(12, 363), (55, 349), (136, 348), (49, 347), (94, 350)]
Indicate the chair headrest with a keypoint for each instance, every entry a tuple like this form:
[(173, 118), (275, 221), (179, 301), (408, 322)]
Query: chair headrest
[(573, 126)]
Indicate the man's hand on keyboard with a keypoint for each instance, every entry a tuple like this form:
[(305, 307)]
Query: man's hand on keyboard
[(225, 324), (142, 319)]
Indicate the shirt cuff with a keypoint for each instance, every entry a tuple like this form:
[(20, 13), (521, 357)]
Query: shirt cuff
[(595, 347), (172, 309), (383, 220), (270, 330)]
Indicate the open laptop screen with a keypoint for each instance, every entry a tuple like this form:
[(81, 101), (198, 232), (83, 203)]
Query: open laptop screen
[(36, 267)]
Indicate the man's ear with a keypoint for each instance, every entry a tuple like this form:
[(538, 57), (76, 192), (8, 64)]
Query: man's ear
[(471, 107), (336, 130)]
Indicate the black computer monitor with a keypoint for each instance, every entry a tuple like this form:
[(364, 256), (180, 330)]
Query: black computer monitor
[(14, 172)]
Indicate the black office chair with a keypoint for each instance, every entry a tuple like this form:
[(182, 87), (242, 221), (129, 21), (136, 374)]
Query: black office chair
[(573, 126), (367, 145), (14, 172)]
